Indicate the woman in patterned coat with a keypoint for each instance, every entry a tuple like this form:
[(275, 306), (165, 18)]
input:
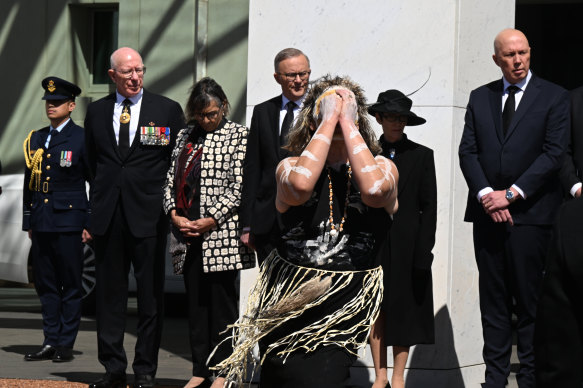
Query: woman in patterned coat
[(202, 197)]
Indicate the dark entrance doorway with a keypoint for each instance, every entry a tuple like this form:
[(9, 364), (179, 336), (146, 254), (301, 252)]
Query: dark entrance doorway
[(555, 35)]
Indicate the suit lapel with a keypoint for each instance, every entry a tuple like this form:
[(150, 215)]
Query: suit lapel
[(274, 125), (145, 107), (496, 108), (42, 139), (108, 117), (528, 98)]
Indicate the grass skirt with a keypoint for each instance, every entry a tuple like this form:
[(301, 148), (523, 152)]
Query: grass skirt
[(300, 309)]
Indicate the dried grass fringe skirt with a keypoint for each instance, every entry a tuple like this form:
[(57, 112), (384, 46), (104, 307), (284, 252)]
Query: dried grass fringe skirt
[(282, 292)]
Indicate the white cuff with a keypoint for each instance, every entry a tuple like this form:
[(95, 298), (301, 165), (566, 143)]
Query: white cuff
[(519, 191), (575, 187), (483, 192)]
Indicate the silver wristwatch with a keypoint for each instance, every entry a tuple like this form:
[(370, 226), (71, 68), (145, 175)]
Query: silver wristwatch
[(509, 195)]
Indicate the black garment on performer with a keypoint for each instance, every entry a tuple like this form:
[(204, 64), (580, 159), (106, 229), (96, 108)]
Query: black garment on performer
[(305, 242), (408, 288)]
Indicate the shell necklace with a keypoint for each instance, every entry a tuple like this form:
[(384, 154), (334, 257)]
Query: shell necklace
[(337, 228)]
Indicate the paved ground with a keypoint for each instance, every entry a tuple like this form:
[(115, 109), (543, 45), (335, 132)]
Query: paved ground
[(21, 333)]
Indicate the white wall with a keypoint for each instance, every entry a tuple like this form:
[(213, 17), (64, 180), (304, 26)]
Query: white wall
[(394, 44)]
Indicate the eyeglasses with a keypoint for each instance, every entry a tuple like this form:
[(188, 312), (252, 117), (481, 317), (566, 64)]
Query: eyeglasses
[(209, 115), (396, 118), (292, 76), (140, 71)]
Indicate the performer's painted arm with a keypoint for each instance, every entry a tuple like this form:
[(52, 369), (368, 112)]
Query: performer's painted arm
[(377, 177), (297, 176)]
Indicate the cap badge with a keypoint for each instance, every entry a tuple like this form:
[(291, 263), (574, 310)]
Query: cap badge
[(51, 86)]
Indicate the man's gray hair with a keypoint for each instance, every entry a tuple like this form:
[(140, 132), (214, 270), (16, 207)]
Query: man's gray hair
[(286, 54)]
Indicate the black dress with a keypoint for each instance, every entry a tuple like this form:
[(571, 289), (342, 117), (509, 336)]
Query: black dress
[(307, 243), (408, 295)]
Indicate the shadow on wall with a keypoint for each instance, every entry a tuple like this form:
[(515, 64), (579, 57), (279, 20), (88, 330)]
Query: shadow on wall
[(436, 365)]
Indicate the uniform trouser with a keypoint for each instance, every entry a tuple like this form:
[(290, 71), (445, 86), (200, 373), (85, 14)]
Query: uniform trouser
[(114, 252), (58, 268), (510, 261), (212, 305)]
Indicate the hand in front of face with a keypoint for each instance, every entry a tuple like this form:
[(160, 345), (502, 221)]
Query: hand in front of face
[(330, 107), (349, 108)]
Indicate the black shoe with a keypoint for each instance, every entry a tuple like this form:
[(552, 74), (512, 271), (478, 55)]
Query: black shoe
[(144, 381), (46, 353), (63, 355), (110, 381)]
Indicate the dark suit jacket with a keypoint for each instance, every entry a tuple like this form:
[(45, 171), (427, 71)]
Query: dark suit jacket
[(137, 180), (61, 203), (559, 319), (572, 170), (263, 154), (530, 155)]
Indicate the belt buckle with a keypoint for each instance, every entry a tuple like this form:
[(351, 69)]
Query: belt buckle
[(45, 187)]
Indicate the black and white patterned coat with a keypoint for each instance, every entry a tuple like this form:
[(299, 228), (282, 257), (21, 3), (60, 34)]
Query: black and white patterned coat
[(220, 195)]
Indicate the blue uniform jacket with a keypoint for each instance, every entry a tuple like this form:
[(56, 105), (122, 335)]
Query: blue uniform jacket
[(60, 204)]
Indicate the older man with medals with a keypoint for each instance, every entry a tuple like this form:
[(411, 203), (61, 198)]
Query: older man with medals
[(128, 224), (55, 215)]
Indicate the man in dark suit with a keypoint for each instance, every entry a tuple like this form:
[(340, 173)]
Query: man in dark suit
[(511, 150), (130, 136), (559, 321), (270, 125), (571, 173), (55, 215)]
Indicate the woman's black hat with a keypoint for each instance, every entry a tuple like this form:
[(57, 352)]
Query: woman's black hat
[(393, 101)]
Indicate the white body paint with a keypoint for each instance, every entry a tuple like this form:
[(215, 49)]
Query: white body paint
[(318, 136), (302, 171), (376, 187), (369, 168), (359, 148), (309, 155)]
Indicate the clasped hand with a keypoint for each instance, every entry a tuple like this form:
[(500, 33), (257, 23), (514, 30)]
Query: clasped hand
[(495, 205), (339, 106), (191, 228)]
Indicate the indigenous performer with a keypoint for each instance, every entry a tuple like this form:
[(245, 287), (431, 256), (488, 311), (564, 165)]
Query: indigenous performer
[(320, 290)]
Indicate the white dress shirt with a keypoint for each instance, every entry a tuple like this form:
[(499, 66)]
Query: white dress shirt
[(283, 111), (134, 112)]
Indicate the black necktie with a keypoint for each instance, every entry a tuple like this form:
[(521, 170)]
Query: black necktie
[(53, 133), (287, 122), (509, 107), (124, 129)]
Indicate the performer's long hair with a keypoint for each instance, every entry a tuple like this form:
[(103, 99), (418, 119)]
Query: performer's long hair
[(306, 123)]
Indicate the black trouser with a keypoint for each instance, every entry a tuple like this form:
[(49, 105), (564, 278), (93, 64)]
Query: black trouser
[(212, 305), (114, 252), (510, 261), (58, 268)]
